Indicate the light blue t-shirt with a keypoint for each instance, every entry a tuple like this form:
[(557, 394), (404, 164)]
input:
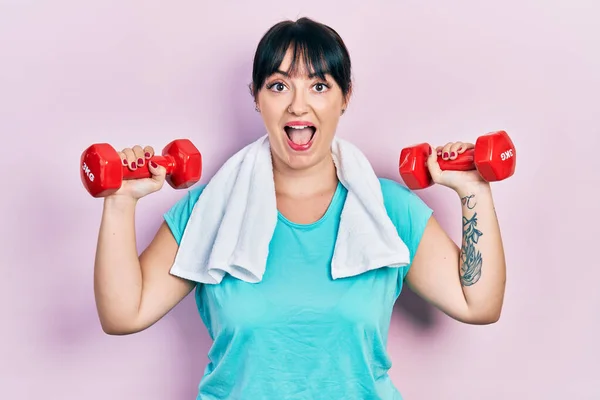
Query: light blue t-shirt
[(299, 334)]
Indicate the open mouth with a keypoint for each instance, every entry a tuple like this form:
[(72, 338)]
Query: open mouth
[(300, 135)]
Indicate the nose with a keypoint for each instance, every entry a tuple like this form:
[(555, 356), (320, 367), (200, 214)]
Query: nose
[(299, 105)]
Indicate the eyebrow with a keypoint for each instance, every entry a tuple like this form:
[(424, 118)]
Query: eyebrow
[(310, 76)]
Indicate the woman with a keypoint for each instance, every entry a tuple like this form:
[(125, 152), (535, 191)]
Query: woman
[(298, 334)]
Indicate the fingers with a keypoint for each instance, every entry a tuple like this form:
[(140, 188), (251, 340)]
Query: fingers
[(129, 158), (139, 157), (451, 150), (148, 152), (158, 172), (438, 150), (432, 164), (455, 149), (445, 151), (136, 156), (123, 158)]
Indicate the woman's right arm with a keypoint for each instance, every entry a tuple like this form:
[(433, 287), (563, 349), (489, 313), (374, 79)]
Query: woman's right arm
[(131, 292)]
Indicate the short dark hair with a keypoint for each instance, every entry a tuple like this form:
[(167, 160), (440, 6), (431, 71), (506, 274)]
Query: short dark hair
[(321, 48)]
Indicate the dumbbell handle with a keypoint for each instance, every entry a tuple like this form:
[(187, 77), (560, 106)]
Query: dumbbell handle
[(463, 162), (144, 172)]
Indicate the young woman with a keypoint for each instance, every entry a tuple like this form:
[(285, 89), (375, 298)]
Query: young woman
[(298, 334)]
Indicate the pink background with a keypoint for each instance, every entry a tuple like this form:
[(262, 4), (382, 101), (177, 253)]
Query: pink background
[(127, 72)]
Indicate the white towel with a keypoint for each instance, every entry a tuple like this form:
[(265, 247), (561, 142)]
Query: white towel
[(233, 221)]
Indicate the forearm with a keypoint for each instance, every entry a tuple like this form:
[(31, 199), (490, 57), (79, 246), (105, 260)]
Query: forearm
[(482, 266), (117, 271)]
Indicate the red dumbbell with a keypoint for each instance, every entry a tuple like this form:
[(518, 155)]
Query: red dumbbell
[(494, 157), (102, 171)]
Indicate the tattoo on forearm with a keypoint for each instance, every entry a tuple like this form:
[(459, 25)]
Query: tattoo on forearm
[(470, 256), (468, 201)]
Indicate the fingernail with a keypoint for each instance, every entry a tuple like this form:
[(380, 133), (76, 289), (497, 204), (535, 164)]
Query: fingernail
[(140, 161), (147, 155), (133, 166), (445, 155), (124, 161), (452, 154), (153, 164)]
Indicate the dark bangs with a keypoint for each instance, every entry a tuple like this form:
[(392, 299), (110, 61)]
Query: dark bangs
[(317, 45)]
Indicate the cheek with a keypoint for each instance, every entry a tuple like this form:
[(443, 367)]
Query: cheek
[(272, 110), (271, 116), (329, 108), (329, 118)]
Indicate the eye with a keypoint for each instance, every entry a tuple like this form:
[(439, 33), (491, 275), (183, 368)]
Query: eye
[(276, 86), (321, 87)]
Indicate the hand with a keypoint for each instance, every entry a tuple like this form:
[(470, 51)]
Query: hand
[(138, 157), (456, 180)]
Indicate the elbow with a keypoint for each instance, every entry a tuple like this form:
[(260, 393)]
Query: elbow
[(113, 328), (487, 318), (114, 331)]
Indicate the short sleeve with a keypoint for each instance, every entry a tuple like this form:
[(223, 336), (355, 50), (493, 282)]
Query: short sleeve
[(178, 215), (409, 214)]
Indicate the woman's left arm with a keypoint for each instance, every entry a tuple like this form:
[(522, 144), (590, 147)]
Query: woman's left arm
[(466, 283)]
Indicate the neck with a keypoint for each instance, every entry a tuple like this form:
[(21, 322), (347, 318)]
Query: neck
[(316, 179)]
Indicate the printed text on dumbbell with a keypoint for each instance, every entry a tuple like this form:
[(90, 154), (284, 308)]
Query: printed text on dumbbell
[(506, 154), (87, 172)]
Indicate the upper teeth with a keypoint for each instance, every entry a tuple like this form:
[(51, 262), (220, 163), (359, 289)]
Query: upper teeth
[(299, 126)]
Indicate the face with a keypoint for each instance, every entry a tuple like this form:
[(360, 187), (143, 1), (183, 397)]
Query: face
[(301, 115)]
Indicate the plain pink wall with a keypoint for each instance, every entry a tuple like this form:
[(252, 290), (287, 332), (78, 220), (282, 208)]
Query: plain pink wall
[(126, 72)]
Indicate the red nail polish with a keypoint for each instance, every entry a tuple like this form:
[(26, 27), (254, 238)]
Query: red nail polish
[(430, 150), (140, 161), (452, 154), (133, 166), (124, 162), (154, 165), (147, 155), (445, 155)]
